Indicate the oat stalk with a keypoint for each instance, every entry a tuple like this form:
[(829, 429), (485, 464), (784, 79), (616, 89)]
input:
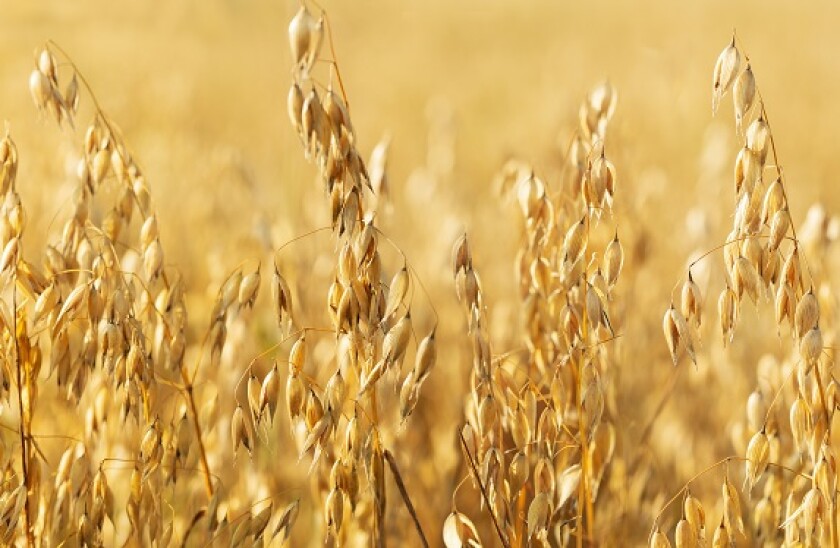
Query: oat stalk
[(477, 478), (25, 451), (392, 463)]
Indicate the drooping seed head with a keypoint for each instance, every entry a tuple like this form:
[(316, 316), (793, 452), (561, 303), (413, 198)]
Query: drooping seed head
[(458, 531), (676, 334), (239, 432), (613, 261), (334, 510), (756, 411), (721, 538), (779, 226), (684, 536), (695, 515), (297, 355), (784, 303), (538, 514), (659, 539), (745, 278), (294, 104), (397, 291), (807, 313), (282, 298), (743, 96), (758, 138), (295, 396), (249, 289), (810, 349), (409, 395), (518, 472), (575, 240), (71, 95), (269, 392), (732, 507), (396, 342), (792, 271), (726, 68), (774, 200), (426, 357), (40, 88), (300, 35), (758, 453), (48, 65), (690, 301)]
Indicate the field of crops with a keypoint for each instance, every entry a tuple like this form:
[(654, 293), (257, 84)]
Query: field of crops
[(418, 274)]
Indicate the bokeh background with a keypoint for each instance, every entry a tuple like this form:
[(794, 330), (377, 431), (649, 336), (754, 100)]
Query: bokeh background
[(199, 90)]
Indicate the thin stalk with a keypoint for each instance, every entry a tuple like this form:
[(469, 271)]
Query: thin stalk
[(392, 463), (584, 492), (331, 44), (202, 452), (477, 477), (832, 526), (660, 407), (24, 438), (520, 514)]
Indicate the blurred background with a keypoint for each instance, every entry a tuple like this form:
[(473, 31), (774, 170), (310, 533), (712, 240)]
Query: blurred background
[(199, 90)]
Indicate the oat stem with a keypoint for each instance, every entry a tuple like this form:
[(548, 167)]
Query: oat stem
[(660, 407), (392, 463), (331, 43), (22, 376), (477, 477), (188, 386), (584, 492), (520, 515)]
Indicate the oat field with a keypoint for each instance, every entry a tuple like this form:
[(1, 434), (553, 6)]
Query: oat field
[(418, 274)]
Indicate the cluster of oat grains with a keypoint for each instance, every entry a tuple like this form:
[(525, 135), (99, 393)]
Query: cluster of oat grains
[(341, 421), (539, 435), (789, 489), (107, 317)]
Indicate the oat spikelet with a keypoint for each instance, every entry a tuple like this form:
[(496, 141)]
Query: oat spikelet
[(756, 411), (696, 516), (458, 531), (743, 96), (721, 538), (800, 424), (811, 346), (239, 432), (538, 514), (732, 508), (613, 261), (758, 453), (684, 536), (807, 313), (659, 540), (287, 520), (40, 88), (745, 278), (726, 68), (779, 226), (784, 303), (690, 301), (758, 138), (300, 35), (676, 334), (425, 358), (397, 291), (575, 241)]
